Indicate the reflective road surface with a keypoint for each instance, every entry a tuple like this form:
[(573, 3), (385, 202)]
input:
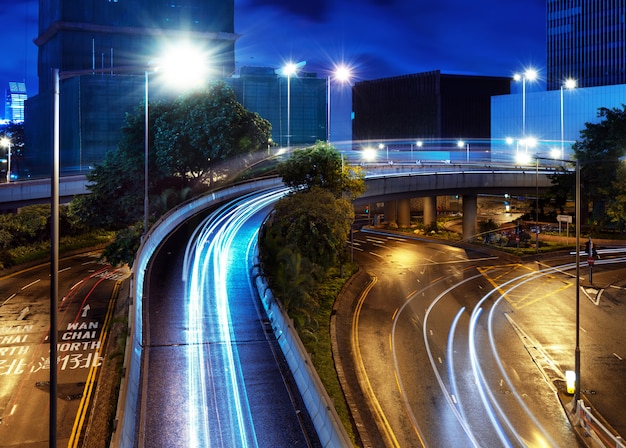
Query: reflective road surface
[(215, 374)]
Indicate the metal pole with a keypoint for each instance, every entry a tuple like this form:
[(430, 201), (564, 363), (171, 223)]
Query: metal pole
[(288, 110), (8, 161), (328, 112), (54, 257), (146, 201), (524, 107), (537, 205), (577, 350), (562, 128)]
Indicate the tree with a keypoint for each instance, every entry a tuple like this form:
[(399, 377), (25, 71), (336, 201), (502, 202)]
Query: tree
[(315, 222), (203, 129), (188, 135), (598, 154), (321, 166)]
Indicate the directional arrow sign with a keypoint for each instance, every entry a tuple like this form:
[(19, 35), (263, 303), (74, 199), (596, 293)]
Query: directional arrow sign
[(86, 310)]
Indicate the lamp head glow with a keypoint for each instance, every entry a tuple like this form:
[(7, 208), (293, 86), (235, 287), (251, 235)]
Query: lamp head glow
[(4, 141), (460, 143), (530, 74), (342, 73), (369, 153), (419, 143), (184, 65), (570, 83)]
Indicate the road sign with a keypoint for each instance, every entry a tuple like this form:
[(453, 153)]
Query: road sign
[(591, 261), (564, 218)]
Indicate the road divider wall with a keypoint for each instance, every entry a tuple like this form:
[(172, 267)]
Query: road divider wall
[(321, 408)]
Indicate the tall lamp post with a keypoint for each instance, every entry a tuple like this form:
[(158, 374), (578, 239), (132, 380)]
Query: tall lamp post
[(57, 76), (342, 74), (6, 142), (569, 84), (528, 75), (462, 144), (288, 70), (577, 212)]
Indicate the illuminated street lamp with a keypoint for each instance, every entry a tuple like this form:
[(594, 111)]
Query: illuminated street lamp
[(569, 84), (6, 142), (290, 69), (57, 76), (528, 75), (577, 213), (462, 144), (418, 144), (342, 74)]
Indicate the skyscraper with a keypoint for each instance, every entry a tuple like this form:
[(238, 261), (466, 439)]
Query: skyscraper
[(587, 42), (107, 37)]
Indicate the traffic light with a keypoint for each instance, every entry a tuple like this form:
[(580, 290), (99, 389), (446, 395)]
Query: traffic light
[(367, 209)]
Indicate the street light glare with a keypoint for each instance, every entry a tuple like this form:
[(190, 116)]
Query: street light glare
[(342, 73), (183, 65), (530, 74), (570, 83)]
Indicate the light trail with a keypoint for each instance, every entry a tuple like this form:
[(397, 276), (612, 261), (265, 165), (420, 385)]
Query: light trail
[(219, 413)]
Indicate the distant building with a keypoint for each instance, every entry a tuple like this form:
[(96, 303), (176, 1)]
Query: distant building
[(586, 42), (265, 91), (106, 38), (428, 105), (15, 96)]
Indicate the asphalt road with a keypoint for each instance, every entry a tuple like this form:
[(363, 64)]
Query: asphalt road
[(87, 292), (214, 374), (456, 347)]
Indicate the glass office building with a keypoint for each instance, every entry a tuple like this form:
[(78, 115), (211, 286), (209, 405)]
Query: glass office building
[(15, 96), (265, 91), (103, 39), (551, 118), (586, 42)]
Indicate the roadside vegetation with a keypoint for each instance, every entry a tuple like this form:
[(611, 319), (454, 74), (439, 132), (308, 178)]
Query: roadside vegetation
[(303, 251)]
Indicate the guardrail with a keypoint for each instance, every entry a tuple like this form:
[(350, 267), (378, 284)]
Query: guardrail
[(594, 429), (325, 419), (128, 402)]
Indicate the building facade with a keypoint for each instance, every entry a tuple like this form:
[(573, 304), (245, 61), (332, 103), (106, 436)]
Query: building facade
[(265, 91), (428, 105), (15, 96), (586, 42), (113, 43)]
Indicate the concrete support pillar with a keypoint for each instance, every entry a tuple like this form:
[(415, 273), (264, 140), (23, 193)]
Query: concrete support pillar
[(430, 210), (403, 209), (470, 203), (391, 212)]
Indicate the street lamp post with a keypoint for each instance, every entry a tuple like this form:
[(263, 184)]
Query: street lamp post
[(290, 69), (569, 84), (6, 142), (462, 144), (342, 74), (577, 212), (529, 75)]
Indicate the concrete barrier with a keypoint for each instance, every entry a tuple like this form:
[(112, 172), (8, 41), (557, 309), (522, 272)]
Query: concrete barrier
[(127, 432), (321, 408)]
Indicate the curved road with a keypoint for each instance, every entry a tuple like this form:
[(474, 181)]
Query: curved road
[(440, 361), (216, 374)]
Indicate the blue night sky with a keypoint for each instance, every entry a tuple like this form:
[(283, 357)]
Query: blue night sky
[(378, 38)]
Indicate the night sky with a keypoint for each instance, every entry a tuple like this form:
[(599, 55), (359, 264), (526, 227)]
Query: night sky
[(377, 38)]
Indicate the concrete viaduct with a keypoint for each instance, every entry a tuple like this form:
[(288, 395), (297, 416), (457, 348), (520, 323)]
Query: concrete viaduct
[(394, 185)]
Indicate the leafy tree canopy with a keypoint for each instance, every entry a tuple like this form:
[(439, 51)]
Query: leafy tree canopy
[(598, 150), (321, 166), (315, 222), (188, 137)]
